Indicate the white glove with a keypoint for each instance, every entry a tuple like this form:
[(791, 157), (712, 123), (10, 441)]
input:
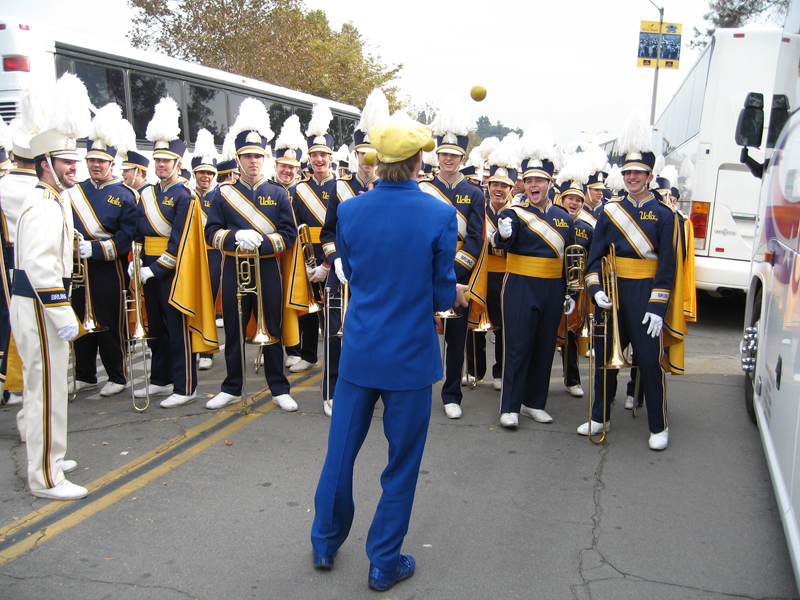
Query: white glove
[(146, 273), (569, 306), (602, 300), (310, 272), (504, 227), (339, 269), (320, 274), (69, 332), (249, 239), (130, 268), (85, 249), (656, 323)]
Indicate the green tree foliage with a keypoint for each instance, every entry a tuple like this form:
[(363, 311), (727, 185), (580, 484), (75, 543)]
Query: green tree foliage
[(278, 41), (736, 13), (484, 129)]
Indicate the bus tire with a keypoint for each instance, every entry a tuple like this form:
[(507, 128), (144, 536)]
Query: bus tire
[(749, 378)]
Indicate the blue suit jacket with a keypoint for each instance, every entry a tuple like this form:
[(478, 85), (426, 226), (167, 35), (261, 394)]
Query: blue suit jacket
[(397, 246)]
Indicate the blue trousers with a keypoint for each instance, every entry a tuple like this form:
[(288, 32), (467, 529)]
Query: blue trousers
[(455, 341), (215, 270), (406, 418), (333, 349)]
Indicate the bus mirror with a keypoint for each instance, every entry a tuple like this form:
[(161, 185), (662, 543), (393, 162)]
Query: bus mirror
[(777, 118), (750, 127)]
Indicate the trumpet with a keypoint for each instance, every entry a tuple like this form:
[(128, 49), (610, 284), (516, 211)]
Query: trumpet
[(248, 281), (315, 297), (575, 265), (137, 332), (484, 326)]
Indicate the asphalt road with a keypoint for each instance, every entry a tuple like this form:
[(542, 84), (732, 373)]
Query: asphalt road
[(191, 503)]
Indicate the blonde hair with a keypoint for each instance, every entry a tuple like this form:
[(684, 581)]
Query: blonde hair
[(399, 171)]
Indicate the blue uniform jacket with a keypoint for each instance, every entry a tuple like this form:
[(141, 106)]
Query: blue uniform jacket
[(105, 215), (554, 231), (347, 187), (397, 250), (310, 201), (583, 233)]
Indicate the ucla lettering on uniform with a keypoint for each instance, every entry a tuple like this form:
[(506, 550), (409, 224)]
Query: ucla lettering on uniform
[(647, 216), (113, 200), (560, 223), (167, 201), (325, 196), (581, 234), (463, 199), (268, 201), (206, 203)]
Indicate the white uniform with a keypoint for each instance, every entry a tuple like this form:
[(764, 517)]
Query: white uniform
[(14, 189), (39, 308)]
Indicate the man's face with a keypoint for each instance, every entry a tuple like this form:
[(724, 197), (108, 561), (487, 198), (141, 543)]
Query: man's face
[(365, 169), (449, 163), (572, 203), (204, 179), (636, 181), (129, 176), (498, 192), (251, 163), (65, 172), (285, 172), (519, 187), (165, 167), (320, 161), (536, 189), (99, 169), (595, 196)]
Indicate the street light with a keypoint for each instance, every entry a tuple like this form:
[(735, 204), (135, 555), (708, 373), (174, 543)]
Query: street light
[(658, 62), (598, 134)]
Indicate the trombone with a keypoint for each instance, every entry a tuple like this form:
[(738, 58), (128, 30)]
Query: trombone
[(137, 332), (248, 281), (315, 296), (344, 299)]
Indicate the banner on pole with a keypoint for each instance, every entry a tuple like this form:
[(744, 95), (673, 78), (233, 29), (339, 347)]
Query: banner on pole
[(670, 45)]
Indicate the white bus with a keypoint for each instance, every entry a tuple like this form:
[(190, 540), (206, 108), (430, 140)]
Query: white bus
[(695, 133), (136, 80)]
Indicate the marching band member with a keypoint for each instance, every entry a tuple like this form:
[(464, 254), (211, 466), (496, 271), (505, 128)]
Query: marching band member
[(642, 230), (450, 127), (310, 200), (253, 214), (228, 168), (204, 167), (134, 165), (41, 317), (376, 110), (104, 213), (534, 233)]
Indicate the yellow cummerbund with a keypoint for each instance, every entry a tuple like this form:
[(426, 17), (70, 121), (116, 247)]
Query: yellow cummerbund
[(636, 268), (495, 264), (315, 231), (534, 266), (155, 246)]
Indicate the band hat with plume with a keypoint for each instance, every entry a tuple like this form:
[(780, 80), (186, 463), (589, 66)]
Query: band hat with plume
[(104, 138), (342, 157), (636, 144), (399, 138), (127, 151), (251, 129), (164, 130), (5, 145), (574, 176), (204, 157), (319, 140), (599, 160), (451, 126), (473, 168), (615, 181), (429, 162), (290, 147), (376, 110), (33, 105), (537, 151), (69, 119), (504, 160)]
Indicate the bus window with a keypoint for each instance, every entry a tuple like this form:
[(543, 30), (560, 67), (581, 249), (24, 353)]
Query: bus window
[(348, 127), (104, 84), (146, 91), (278, 113), (304, 114), (206, 108)]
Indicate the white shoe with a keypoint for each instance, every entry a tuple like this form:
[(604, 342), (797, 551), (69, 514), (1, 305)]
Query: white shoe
[(14, 399), (222, 399), (204, 364), (286, 402), (629, 402), (536, 414), (220, 323), (111, 388), (509, 420), (291, 361), (575, 390), (68, 466), (63, 490), (597, 427), (327, 406), (301, 365), (154, 390), (82, 385), (178, 400), (498, 384), (659, 441), (452, 410)]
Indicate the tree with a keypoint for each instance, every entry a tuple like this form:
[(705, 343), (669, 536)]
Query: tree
[(278, 41), (736, 13)]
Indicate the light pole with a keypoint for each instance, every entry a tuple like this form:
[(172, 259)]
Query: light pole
[(658, 62)]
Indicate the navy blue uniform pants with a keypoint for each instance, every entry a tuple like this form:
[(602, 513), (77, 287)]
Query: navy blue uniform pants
[(332, 344), (494, 303), (569, 360), (455, 341), (215, 258), (406, 417)]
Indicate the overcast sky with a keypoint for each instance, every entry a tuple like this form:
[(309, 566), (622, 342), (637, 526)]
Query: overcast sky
[(571, 63)]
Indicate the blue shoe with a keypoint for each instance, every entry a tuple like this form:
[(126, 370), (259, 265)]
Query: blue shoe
[(384, 580), (323, 561)]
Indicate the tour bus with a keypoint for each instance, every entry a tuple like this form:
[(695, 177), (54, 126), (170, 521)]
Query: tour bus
[(771, 340), (695, 133), (136, 80)]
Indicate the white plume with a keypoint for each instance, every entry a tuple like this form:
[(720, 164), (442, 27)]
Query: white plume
[(34, 110), (488, 146), (342, 154), (15, 125), (252, 116), (659, 166), (430, 158), (165, 124), (106, 125), (670, 173), (598, 158), (615, 181), (269, 165), (376, 109), (71, 112), (475, 158), (451, 118), (127, 138), (577, 168), (506, 153), (537, 142), (635, 136), (290, 136), (560, 159), (321, 117), (5, 135), (204, 146), (229, 146), (687, 168)]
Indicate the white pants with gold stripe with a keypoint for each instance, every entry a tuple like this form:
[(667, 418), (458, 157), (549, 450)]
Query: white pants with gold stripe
[(45, 358)]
